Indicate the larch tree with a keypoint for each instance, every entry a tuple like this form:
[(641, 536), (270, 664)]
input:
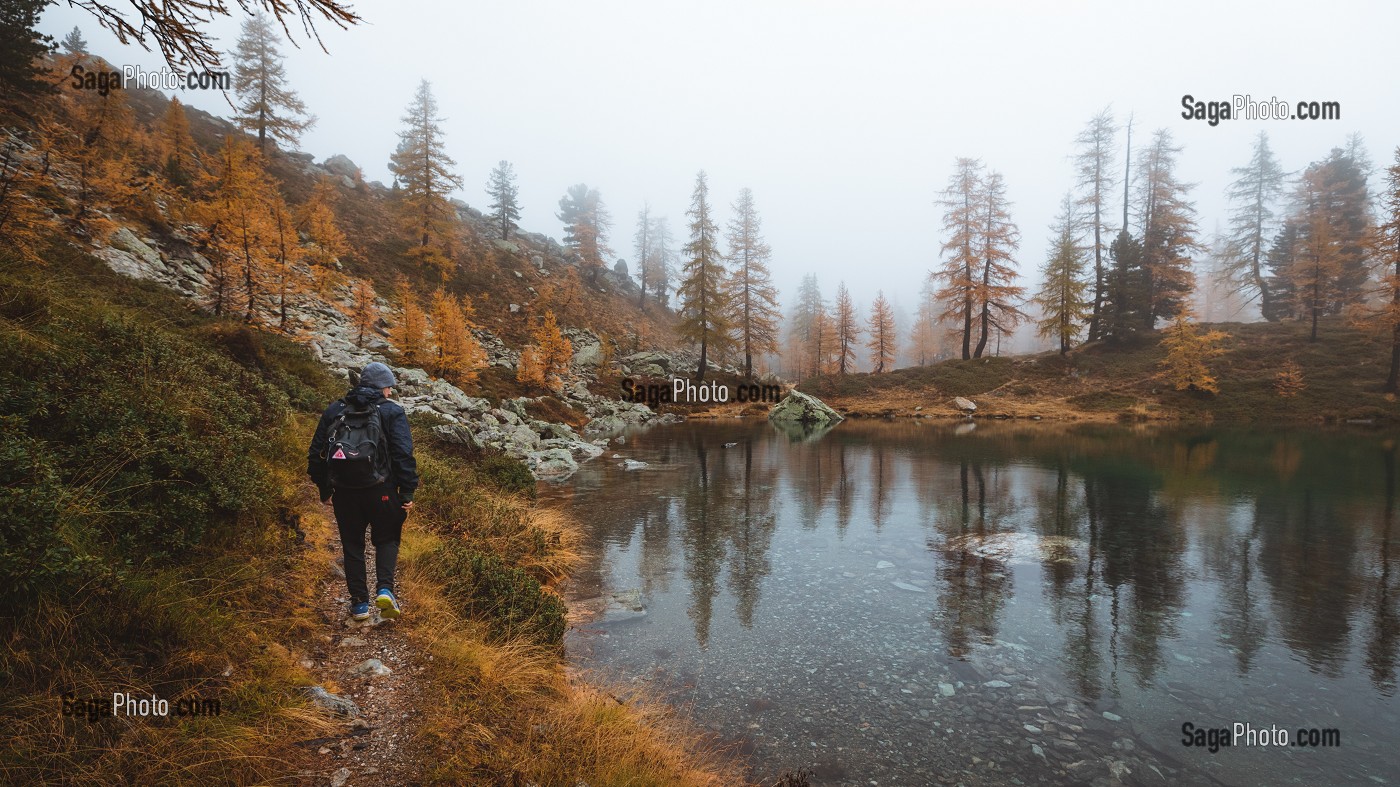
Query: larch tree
[(1094, 165), (1168, 232), (459, 354), (883, 342), (1124, 291), (704, 283), (266, 105), (181, 157), (753, 298), (925, 339), (285, 253), (366, 310), (238, 227), (847, 330), (410, 335), (962, 222), (317, 220), (555, 352), (505, 198), (1065, 299), (586, 222), (824, 342), (424, 173), (1188, 349), (997, 295), (1255, 191), (1316, 271), (1386, 251)]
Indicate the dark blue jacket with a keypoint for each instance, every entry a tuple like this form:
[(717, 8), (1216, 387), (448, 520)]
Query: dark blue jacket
[(403, 468)]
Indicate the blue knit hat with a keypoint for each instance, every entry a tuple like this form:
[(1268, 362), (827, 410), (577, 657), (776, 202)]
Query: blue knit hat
[(377, 375)]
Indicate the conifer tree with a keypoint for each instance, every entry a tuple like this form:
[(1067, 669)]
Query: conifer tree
[(661, 270), (1188, 350), (237, 221), (22, 48), (366, 311), (961, 222), (1386, 248), (824, 344), (505, 198), (846, 329), (753, 298), (1094, 166), (925, 338), (704, 284), (529, 370), (803, 333), (1064, 298), (555, 350), (564, 294), (1255, 190), (1316, 272), (586, 223), (319, 223), (1168, 233), (285, 253), (996, 296), (410, 335), (22, 220), (177, 146), (883, 341), (459, 354), (266, 104), (424, 173), (73, 43), (1289, 381), (642, 247)]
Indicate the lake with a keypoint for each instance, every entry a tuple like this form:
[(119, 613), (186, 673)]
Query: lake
[(943, 602)]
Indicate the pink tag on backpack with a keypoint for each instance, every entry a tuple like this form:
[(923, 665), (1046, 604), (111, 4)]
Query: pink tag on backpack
[(339, 454)]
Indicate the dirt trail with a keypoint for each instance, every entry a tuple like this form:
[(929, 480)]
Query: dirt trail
[(377, 747)]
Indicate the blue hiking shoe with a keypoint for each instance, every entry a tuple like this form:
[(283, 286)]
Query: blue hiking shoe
[(360, 611), (388, 605)]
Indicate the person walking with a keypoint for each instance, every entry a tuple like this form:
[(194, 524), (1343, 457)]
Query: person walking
[(361, 460)]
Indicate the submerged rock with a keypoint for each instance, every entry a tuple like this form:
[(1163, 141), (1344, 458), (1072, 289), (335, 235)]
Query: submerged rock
[(801, 408)]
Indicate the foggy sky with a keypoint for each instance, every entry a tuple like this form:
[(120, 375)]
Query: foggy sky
[(843, 117)]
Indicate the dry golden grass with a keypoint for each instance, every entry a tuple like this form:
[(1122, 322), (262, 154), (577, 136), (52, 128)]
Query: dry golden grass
[(503, 712)]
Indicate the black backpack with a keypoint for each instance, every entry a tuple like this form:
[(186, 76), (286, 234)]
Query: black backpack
[(357, 457)]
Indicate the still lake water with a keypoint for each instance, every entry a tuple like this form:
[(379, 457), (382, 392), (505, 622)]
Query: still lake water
[(931, 602)]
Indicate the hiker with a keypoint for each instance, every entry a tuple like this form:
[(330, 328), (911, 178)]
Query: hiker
[(361, 460)]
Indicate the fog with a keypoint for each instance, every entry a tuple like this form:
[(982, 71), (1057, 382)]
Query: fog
[(844, 118)]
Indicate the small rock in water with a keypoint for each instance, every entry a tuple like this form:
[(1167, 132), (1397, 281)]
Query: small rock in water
[(632, 464), (997, 684), (848, 575), (1112, 716), (909, 587), (730, 445), (1031, 728), (884, 564), (946, 689)]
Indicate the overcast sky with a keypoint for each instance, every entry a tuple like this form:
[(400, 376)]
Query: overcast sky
[(843, 117)]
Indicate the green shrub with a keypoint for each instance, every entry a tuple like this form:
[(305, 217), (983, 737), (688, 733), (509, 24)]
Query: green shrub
[(510, 601), (507, 474)]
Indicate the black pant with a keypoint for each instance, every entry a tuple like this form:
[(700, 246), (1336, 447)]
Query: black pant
[(380, 508)]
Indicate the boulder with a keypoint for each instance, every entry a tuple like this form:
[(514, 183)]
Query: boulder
[(455, 433), (965, 405), (341, 165), (552, 463), (588, 355), (605, 424), (801, 408)]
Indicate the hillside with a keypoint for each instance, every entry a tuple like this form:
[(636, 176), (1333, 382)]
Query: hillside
[(1342, 372), (159, 539)]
